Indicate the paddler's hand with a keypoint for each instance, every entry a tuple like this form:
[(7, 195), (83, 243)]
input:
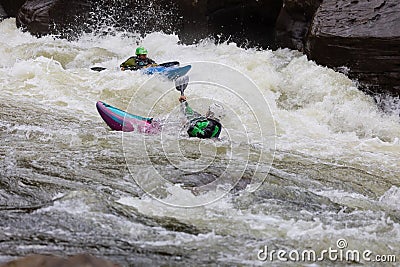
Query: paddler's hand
[(150, 65), (122, 68), (182, 98)]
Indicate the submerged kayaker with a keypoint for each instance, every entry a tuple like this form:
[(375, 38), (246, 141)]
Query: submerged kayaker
[(139, 61), (207, 126)]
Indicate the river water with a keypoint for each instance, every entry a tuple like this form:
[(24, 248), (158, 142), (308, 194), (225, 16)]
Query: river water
[(306, 162)]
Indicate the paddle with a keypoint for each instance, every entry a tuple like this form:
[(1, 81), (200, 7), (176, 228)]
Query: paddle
[(169, 64), (181, 83), (98, 68), (166, 64)]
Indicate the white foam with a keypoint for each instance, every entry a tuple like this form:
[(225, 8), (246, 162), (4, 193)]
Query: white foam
[(391, 198)]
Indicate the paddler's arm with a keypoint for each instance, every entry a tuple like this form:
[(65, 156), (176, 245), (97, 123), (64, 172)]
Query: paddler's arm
[(151, 63), (129, 64), (186, 109)]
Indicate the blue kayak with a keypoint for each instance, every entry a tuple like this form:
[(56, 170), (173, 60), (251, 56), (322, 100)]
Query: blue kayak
[(171, 73), (171, 70)]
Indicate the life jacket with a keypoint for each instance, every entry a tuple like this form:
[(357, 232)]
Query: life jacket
[(204, 128), (135, 62), (143, 62)]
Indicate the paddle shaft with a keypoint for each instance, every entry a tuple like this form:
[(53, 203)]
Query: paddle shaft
[(166, 64)]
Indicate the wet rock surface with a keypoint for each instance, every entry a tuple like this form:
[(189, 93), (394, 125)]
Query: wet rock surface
[(53, 261), (65, 18), (294, 21), (245, 22), (11, 7), (363, 36)]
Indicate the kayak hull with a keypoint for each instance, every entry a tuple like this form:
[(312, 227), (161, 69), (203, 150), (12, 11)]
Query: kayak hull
[(171, 73), (119, 120)]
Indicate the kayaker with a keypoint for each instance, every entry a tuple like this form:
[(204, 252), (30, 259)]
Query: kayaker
[(139, 61), (207, 126)]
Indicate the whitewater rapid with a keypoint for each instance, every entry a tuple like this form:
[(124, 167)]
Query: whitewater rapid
[(327, 155)]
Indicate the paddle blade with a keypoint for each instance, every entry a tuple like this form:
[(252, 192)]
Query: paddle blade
[(98, 68), (181, 83), (169, 64)]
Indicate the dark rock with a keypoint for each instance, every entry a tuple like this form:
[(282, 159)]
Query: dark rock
[(293, 23), (3, 13), (87, 261), (53, 16), (11, 7), (53, 261), (193, 25), (34, 16), (361, 35), (244, 22), (70, 18)]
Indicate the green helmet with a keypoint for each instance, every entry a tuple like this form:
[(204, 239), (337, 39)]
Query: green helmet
[(141, 51)]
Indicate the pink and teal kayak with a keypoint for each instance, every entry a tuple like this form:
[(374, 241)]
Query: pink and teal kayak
[(120, 120)]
